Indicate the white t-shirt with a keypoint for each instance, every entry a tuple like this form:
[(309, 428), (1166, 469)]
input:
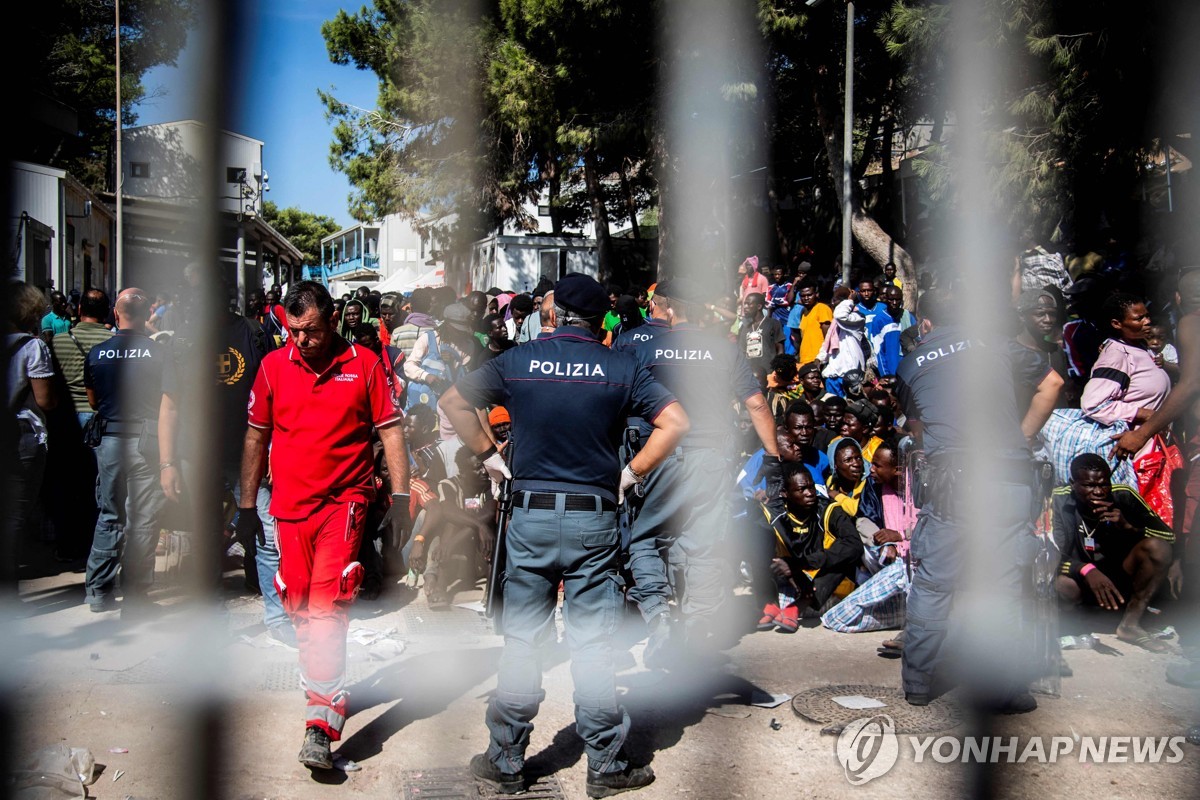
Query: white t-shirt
[(32, 360)]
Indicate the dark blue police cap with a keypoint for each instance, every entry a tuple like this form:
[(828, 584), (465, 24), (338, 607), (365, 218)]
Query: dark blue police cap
[(680, 289), (582, 294)]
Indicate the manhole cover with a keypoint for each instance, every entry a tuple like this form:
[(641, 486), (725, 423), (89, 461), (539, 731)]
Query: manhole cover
[(817, 705), (457, 783), (286, 677), (156, 669), (445, 622)]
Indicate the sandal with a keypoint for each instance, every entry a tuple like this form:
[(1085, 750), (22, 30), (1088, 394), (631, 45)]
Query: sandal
[(436, 599), (1148, 642)]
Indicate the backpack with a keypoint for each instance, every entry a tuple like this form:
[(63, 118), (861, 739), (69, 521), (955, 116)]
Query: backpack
[(423, 393), (393, 367)]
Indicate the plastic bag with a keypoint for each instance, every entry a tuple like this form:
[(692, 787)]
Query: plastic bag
[(1154, 471), (56, 772)]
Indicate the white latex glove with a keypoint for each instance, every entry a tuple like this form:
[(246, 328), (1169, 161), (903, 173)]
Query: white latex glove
[(497, 470), (628, 481)]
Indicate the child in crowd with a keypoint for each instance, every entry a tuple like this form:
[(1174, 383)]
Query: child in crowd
[(782, 384), (1165, 356)]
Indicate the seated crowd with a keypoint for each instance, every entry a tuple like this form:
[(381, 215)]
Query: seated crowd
[(1091, 358)]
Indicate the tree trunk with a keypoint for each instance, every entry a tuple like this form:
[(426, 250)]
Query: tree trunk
[(599, 215), (662, 180), (781, 235), (554, 189), (629, 201), (871, 237), (882, 248)]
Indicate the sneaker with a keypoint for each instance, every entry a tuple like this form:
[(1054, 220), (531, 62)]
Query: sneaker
[(314, 753), (284, 635), (101, 604), (504, 782), (769, 618), (606, 784), (788, 620), (918, 698)]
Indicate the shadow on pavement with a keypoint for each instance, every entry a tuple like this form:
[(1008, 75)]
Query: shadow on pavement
[(426, 685)]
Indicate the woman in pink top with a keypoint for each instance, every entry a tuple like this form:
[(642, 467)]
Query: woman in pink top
[(1125, 384), (753, 281)]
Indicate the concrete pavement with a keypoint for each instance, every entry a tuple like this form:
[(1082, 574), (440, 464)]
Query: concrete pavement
[(163, 689)]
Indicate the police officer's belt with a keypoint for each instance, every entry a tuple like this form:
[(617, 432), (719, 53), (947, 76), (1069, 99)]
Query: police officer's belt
[(546, 501), (114, 428)]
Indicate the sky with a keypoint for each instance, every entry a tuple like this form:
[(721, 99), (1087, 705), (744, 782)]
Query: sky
[(288, 64)]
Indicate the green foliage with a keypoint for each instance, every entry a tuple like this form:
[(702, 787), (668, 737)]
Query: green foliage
[(1065, 123), (483, 105), (303, 229), (68, 54), (479, 112)]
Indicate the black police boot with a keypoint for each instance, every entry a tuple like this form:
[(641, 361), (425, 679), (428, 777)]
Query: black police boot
[(315, 754), (606, 784), (504, 782), (1017, 703)]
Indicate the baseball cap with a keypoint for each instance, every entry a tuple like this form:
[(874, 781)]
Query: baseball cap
[(457, 315)]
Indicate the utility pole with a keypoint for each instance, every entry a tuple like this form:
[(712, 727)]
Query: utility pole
[(119, 268), (848, 145)]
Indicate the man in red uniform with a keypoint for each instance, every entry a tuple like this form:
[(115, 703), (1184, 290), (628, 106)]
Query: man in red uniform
[(314, 404)]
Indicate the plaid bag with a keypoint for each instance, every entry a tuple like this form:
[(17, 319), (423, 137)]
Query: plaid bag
[(1068, 433)]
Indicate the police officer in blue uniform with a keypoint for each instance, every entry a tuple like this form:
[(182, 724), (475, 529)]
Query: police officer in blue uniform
[(126, 378), (568, 396), (636, 337), (687, 505), (932, 383)]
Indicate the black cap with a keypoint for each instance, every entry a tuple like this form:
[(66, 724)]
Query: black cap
[(680, 289), (582, 294), (1028, 300)]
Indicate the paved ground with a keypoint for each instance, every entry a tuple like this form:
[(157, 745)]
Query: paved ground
[(163, 689)]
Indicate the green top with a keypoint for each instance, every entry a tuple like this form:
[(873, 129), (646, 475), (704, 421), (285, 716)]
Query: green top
[(71, 358)]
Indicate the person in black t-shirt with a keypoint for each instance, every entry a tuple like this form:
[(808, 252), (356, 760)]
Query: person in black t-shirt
[(1036, 383), (1115, 549), (126, 377)]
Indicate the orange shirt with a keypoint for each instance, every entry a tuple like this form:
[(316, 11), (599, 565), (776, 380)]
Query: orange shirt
[(811, 335)]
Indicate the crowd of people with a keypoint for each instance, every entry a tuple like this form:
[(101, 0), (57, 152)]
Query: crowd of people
[(654, 447)]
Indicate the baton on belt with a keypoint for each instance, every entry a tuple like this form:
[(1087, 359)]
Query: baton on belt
[(493, 604)]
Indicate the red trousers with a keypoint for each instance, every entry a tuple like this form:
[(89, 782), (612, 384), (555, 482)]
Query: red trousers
[(317, 581)]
